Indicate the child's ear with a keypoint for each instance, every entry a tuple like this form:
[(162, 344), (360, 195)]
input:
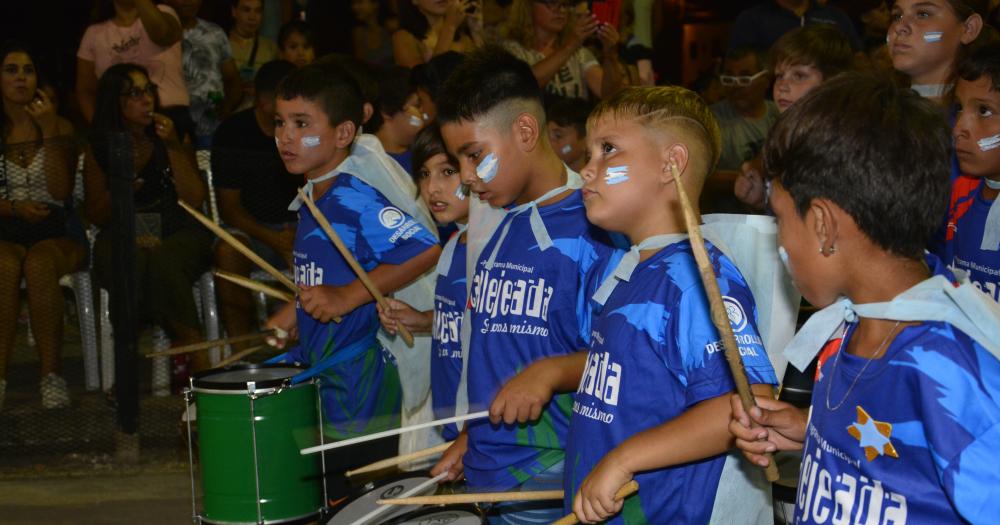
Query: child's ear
[(671, 155), (971, 28), (343, 134), (526, 131), (825, 225), (366, 112)]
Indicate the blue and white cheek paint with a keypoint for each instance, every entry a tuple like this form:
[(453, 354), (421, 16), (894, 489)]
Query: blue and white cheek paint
[(416, 121), (989, 143), (933, 36), (460, 192), (616, 175), (487, 169), (309, 141), (566, 150)]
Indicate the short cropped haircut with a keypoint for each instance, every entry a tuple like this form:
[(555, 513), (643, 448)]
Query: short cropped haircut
[(984, 62), (266, 81), (878, 151), (822, 46), (489, 78), (295, 26), (334, 91), (567, 112), (427, 144), (667, 108)]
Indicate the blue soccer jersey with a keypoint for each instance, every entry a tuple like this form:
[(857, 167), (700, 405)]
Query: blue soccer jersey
[(530, 305), (912, 438), (450, 298), (962, 248), (654, 353), (363, 394)]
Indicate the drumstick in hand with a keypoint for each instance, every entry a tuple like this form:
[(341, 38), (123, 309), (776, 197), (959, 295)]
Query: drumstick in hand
[(720, 318), (627, 490), (352, 262)]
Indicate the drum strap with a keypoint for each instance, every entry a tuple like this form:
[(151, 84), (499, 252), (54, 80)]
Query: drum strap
[(343, 355)]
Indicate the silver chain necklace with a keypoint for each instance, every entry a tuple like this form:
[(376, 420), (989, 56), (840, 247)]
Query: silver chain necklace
[(836, 361)]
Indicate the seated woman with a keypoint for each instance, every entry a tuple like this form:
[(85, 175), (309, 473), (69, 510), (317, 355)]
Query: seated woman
[(549, 35), (429, 28), (37, 160), (172, 249)]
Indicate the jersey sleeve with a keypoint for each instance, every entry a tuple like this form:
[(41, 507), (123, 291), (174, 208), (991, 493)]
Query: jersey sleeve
[(961, 419), (705, 369), (385, 234)]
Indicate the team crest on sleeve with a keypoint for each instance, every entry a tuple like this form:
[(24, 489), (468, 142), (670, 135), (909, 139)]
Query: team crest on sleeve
[(737, 316), (391, 217), (873, 436)]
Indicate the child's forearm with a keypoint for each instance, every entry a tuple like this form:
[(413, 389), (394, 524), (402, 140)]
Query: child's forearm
[(567, 370), (702, 431)]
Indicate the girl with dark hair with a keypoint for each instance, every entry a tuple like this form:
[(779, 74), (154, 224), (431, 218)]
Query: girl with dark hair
[(135, 31), (172, 250), (431, 27), (37, 159)]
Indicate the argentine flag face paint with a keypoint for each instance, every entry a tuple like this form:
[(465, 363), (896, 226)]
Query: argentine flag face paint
[(989, 143), (416, 121), (933, 36), (566, 149), (460, 192), (310, 141), (616, 175), (487, 169)]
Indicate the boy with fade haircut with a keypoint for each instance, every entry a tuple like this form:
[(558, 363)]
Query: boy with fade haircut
[(652, 393), (527, 298), (972, 236), (317, 114), (904, 422)]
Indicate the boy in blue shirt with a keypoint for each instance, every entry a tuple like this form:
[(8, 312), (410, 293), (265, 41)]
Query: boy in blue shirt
[(527, 298), (972, 236), (317, 114), (905, 414), (652, 393)]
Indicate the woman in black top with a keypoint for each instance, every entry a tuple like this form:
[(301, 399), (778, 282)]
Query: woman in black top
[(172, 249)]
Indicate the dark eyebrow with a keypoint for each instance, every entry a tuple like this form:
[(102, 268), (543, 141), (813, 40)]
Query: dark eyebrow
[(465, 147), (300, 115)]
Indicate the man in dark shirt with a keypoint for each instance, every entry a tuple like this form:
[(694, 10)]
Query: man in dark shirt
[(761, 26), (253, 190)]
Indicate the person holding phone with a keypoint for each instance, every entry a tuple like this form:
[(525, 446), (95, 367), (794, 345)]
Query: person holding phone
[(429, 28), (36, 181), (549, 35)]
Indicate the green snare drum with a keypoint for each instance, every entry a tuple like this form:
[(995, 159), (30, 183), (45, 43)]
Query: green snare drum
[(252, 422)]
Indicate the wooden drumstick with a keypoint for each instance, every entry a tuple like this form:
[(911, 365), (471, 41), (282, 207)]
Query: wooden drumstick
[(250, 284), (367, 518), (484, 497), (352, 262), (240, 247), (237, 356), (627, 490), (393, 432), (399, 460), (720, 318), (208, 345)]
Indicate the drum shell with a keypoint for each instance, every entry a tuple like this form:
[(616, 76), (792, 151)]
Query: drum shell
[(285, 420), (363, 498)]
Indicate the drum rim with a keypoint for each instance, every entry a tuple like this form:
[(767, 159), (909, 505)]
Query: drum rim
[(358, 492), (296, 520), (200, 382), (433, 509)]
